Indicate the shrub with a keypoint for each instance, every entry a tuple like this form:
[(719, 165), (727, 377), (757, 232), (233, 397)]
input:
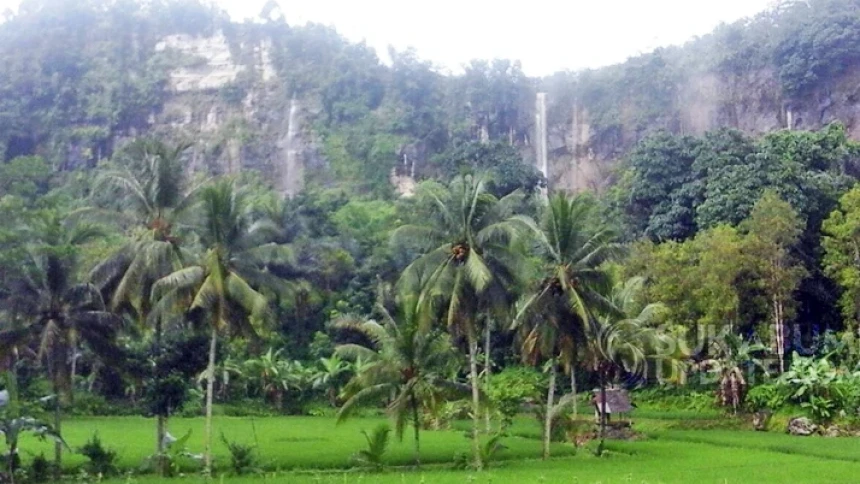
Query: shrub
[(677, 398), (562, 424), (377, 444), (512, 387), (817, 385), (491, 448), (441, 417), (102, 461), (769, 396), (174, 456), (242, 459), (847, 394), (40, 469), (91, 404)]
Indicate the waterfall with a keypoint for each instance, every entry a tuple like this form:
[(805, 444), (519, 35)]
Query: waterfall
[(541, 137), (292, 170)]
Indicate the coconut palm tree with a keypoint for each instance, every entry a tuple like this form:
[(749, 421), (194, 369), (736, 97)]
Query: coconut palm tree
[(52, 311), (624, 338), (553, 317), (60, 316), (221, 280), (468, 244), (405, 363), (152, 198)]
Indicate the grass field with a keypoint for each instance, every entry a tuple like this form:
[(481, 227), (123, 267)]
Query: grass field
[(314, 450), (282, 443)]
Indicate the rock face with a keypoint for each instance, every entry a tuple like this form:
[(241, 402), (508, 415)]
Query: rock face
[(801, 426), (228, 95), (583, 154), (227, 98), (210, 64)]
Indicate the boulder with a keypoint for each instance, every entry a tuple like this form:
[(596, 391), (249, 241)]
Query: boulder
[(801, 426)]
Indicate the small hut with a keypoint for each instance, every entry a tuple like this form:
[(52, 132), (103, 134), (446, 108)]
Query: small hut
[(617, 403)]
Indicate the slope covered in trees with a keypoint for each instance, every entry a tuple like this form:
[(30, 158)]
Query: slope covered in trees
[(306, 106), (193, 202)]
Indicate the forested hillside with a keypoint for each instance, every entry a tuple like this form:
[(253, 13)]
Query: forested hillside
[(266, 218), (304, 105)]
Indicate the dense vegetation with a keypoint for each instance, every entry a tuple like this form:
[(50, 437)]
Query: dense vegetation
[(719, 273)]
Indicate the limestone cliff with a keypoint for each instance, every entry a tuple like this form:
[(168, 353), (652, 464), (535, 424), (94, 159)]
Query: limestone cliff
[(754, 103), (234, 109)]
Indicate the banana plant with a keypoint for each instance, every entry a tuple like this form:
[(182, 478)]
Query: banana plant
[(330, 375), (13, 426)]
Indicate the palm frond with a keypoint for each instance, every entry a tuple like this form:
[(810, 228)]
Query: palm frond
[(478, 273), (239, 291), (187, 278)]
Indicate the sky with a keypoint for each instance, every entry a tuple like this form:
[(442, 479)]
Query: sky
[(545, 35)]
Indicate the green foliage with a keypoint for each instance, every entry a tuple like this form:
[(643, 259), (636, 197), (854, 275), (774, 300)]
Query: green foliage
[(101, 460), (175, 457), (92, 404), (242, 458), (509, 389), (677, 185), (40, 469), (817, 385), (377, 445), (767, 396), (368, 222), (26, 177), (660, 203), (491, 449), (840, 244), (817, 41), (726, 276), (673, 398), (508, 171)]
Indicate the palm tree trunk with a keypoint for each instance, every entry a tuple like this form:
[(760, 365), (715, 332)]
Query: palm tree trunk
[(550, 401), (210, 385), (332, 396), (416, 424), (487, 370), (573, 392), (160, 426), (58, 447), (602, 411), (161, 420), (10, 465), (12, 408), (73, 373), (56, 364), (476, 399)]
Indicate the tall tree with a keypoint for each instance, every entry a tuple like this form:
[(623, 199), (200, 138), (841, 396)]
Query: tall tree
[(60, 316), (572, 283), (152, 195), (841, 262), (221, 280), (406, 363), (773, 231), (468, 256), (623, 338)]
